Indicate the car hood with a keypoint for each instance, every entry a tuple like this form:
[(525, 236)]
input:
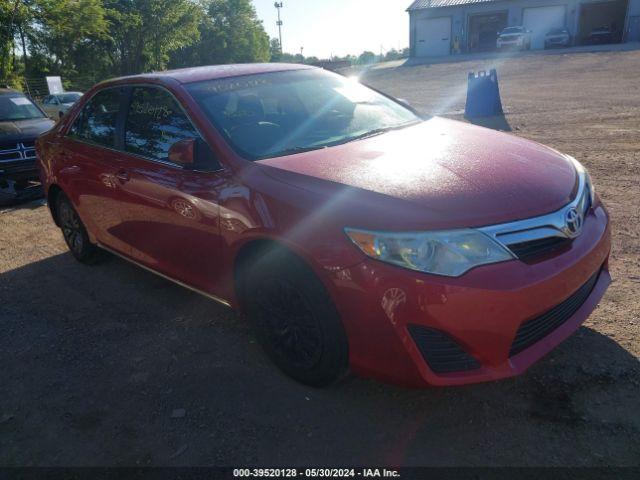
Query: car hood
[(24, 129), (437, 174)]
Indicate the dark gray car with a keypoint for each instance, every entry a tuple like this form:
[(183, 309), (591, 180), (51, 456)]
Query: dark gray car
[(557, 37), (21, 121)]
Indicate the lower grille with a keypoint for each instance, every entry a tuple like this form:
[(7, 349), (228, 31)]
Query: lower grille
[(441, 353), (536, 329)]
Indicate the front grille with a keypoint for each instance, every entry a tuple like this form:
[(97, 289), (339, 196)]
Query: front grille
[(13, 152), (536, 329), (527, 251), (441, 353)]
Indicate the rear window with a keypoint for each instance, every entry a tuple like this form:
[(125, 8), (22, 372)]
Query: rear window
[(97, 121), (512, 30)]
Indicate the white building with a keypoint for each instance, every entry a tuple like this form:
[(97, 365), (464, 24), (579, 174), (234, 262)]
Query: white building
[(440, 27)]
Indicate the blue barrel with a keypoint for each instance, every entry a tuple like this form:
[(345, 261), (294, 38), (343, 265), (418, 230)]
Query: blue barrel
[(483, 95)]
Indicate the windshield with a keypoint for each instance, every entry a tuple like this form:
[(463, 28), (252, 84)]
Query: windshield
[(275, 114), (512, 30), (17, 107), (69, 97)]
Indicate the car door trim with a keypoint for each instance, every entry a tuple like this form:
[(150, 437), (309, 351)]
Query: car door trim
[(210, 296)]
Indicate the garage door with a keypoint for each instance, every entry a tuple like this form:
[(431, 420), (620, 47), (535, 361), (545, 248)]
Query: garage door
[(542, 19), (433, 37)]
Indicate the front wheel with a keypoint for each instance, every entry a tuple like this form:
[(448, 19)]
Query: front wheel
[(296, 321), (74, 232)]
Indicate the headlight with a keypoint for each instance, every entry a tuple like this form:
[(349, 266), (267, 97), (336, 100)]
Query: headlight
[(584, 173), (444, 252)]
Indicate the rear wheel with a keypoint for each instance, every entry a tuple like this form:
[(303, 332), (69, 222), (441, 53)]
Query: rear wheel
[(74, 232), (296, 321)]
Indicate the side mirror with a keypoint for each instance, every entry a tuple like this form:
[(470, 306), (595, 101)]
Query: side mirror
[(193, 154), (182, 152)]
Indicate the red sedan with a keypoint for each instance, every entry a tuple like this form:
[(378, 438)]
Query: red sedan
[(354, 233)]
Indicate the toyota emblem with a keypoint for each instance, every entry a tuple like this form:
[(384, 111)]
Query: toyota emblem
[(574, 221)]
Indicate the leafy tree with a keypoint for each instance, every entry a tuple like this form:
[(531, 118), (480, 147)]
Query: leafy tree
[(145, 32), (366, 57), (275, 50), (62, 31), (230, 32)]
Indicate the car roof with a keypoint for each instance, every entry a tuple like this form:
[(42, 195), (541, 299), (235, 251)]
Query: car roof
[(211, 72)]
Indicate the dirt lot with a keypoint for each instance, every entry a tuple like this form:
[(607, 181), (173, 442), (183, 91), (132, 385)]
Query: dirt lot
[(110, 365)]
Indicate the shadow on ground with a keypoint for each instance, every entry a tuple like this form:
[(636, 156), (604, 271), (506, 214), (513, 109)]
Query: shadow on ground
[(497, 122), (31, 204), (111, 365)]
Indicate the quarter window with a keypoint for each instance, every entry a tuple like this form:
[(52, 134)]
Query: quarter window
[(97, 121), (154, 123)]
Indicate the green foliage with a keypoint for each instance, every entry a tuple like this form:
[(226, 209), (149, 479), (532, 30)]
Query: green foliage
[(230, 32), (86, 41), (95, 39), (366, 57), (143, 33), (275, 50)]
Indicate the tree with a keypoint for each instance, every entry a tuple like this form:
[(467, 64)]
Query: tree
[(275, 50), (230, 32), (145, 32), (366, 58), (62, 31)]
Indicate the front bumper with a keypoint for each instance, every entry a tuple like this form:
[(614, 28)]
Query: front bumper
[(556, 42), (510, 44), (480, 311), (19, 181)]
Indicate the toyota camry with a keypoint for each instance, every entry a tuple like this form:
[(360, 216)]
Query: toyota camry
[(354, 233)]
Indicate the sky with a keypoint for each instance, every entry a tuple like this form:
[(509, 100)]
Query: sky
[(338, 27)]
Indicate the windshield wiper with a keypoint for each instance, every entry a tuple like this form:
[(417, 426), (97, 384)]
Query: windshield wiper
[(377, 131), (291, 151)]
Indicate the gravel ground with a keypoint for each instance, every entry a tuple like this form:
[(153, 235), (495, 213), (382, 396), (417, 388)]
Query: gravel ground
[(111, 365)]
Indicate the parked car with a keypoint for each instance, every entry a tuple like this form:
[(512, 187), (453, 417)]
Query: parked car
[(56, 105), (21, 121), (557, 37), (600, 35), (354, 233), (514, 37)]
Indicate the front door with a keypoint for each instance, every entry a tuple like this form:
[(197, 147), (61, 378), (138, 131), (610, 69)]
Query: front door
[(170, 214)]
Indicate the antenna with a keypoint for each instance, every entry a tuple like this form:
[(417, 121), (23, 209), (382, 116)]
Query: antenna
[(278, 6)]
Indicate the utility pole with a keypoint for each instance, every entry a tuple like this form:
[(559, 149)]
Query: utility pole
[(278, 6)]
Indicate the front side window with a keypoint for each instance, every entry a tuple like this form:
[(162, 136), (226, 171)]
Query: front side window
[(15, 107), (97, 121), (281, 113), (154, 123)]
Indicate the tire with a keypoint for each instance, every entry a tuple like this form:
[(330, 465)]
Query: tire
[(296, 322), (74, 232)]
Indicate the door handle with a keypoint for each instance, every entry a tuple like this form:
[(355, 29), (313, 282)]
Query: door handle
[(123, 176)]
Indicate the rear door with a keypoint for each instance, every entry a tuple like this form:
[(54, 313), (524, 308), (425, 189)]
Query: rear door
[(170, 214), (91, 164)]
